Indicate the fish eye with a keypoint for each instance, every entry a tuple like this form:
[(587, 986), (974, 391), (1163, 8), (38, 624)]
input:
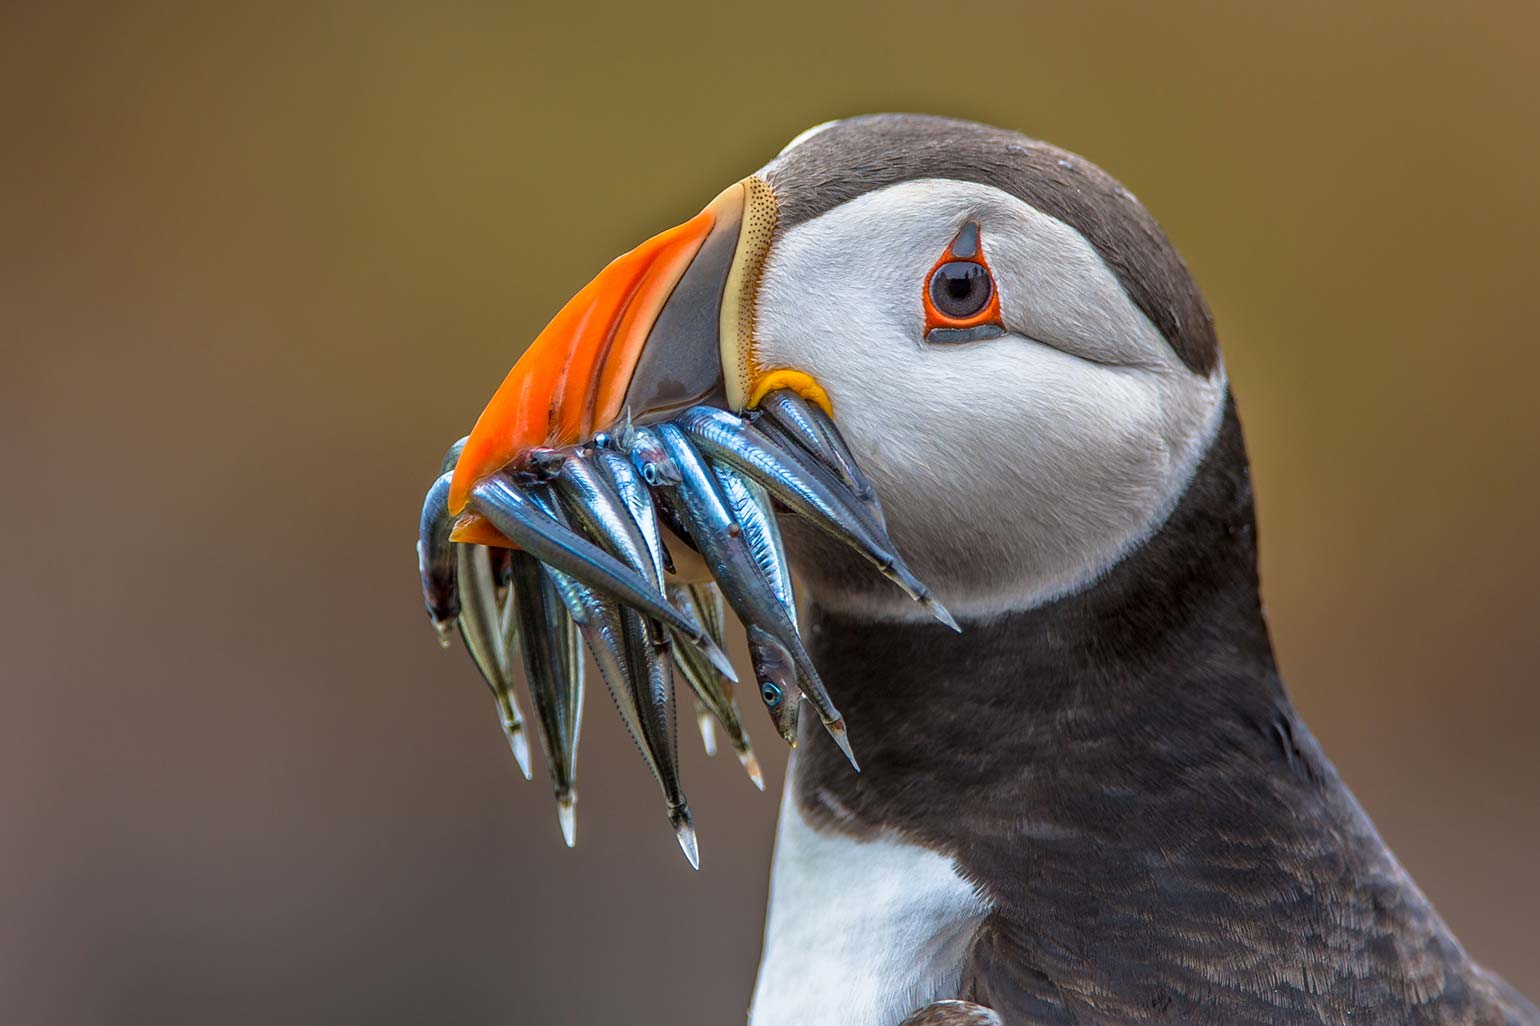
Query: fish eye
[(770, 693), (961, 289)]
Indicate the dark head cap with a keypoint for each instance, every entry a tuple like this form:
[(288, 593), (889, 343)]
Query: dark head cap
[(848, 158)]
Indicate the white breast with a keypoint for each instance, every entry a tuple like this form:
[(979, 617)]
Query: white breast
[(859, 933)]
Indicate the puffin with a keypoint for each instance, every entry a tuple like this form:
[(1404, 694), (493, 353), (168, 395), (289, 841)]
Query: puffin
[(1083, 794)]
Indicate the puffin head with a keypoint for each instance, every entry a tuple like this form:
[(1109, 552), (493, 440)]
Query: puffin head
[(1012, 349)]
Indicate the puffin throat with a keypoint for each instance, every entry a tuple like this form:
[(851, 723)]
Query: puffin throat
[(952, 726)]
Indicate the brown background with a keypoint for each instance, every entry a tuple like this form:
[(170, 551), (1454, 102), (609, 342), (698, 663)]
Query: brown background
[(259, 266)]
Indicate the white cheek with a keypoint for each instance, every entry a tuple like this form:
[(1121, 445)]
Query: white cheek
[(1011, 471)]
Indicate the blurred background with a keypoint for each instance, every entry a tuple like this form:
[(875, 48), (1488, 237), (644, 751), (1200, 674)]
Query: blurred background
[(260, 264)]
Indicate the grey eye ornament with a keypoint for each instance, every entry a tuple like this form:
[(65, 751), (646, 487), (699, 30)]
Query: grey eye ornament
[(961, 301)]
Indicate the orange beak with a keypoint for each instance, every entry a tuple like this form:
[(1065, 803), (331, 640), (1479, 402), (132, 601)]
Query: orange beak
[(665, 326)]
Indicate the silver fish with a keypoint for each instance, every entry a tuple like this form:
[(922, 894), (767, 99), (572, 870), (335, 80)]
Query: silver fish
[(713, 691), (601, 623), (750, 507), (714, 701), (608, 517), (701, 683), (774, 670), (623, 478), (553, 670), (723, 546), (650, 655), (805, 490), (435, 552), (513, 513), (805, 424), (651, 461), (598, 620), (436, 560), (772, 661), (707, 599), (480, 630), (645, 695)]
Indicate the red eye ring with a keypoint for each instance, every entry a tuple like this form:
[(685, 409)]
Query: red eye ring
[(962, 302)]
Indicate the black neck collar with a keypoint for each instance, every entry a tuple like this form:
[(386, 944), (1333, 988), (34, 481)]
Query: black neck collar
[(962, 735)]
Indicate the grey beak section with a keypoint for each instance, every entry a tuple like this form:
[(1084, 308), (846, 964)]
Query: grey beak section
[(681, 365)]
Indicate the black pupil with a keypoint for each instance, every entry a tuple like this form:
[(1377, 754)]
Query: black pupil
[(960, 289)]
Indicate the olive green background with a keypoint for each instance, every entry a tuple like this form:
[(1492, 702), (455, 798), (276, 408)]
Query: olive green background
[(260, 264)]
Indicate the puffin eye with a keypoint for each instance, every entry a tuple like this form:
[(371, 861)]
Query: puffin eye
[(961, 301), (960, 288)]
